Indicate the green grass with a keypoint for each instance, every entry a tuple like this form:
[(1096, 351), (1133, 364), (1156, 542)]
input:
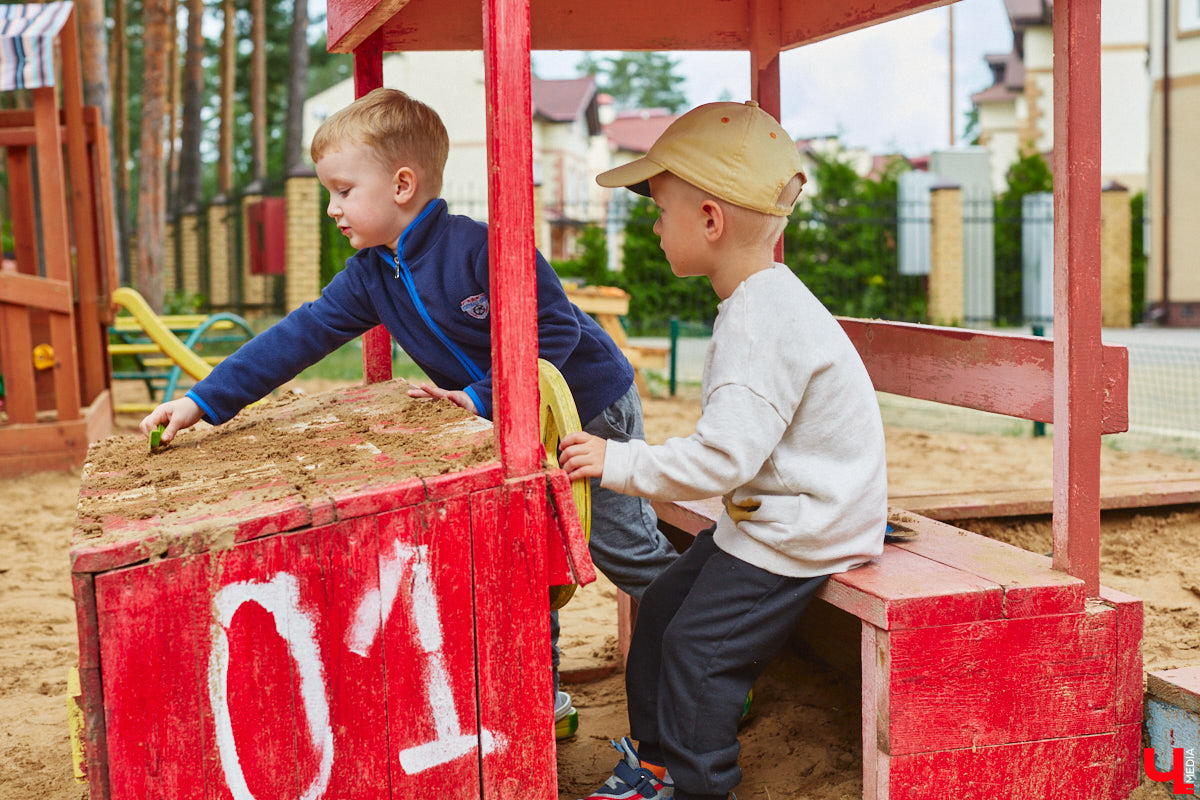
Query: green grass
[(345, 364)]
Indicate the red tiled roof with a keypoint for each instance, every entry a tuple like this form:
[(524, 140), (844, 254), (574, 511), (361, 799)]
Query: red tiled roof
[(994, 94), (636, 130), (563, 100), (1008, 72)]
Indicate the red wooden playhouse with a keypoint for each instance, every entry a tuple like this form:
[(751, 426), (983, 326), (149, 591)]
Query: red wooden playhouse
[(987, 671), (56, 282)]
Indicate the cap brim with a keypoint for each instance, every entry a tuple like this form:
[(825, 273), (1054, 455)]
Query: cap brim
[(635, 176)]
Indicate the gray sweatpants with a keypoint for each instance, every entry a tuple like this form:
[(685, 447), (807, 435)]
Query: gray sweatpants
[(625, 542)]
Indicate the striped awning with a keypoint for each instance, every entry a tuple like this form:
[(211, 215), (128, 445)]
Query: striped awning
[(27, 43)]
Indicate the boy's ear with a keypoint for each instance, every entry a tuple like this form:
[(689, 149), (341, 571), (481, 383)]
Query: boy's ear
[(714, 219), (405, 181)]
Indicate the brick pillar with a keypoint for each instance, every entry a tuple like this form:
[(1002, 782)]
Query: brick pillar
[(189, 251), (219, 276), (945, 255), (302, 284), (255, 288), (1115, 256), (170, 278)]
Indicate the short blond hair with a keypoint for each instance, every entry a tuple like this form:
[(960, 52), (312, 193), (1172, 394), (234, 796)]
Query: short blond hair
[(754, 227), (400, 130), (750, 227)]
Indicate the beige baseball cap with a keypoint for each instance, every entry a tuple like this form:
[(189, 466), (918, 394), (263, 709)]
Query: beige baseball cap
[(735, 151)]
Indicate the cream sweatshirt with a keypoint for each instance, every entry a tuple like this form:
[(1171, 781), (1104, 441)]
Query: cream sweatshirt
[(789, 435)]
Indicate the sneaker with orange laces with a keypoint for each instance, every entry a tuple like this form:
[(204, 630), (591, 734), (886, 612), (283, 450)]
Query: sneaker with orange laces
[(630, 780)]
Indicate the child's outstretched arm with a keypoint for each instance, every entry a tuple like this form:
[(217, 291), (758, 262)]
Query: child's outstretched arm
[(176, 415), (581, 455)]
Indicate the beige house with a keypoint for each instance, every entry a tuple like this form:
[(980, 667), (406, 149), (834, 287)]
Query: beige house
[(1016, 114), (1173, 198), (566, 127)]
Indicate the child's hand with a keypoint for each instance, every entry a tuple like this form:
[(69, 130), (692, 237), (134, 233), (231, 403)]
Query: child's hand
[(460, 399), (581, 455), (176, 415)]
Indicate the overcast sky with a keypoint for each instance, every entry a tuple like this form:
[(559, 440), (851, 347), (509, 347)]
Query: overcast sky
[(886, 88)]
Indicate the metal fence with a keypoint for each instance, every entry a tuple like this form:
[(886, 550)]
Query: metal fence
[(866, 259)]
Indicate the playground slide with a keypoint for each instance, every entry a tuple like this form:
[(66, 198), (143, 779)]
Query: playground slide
[(133, 302)]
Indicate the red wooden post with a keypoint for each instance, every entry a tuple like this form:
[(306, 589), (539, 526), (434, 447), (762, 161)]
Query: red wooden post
[(92, 352), (764, 66), (1077, 355), (368, 75), (56, 236), (510, 233)]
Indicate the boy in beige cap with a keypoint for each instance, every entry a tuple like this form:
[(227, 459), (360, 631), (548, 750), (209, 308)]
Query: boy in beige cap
[(789, 436)]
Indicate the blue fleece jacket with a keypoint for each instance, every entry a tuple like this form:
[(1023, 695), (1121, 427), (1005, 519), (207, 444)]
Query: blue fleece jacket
[(433, 299)]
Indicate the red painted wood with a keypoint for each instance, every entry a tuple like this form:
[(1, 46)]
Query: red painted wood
[(584, 25), (153, 622), (1129, 656), (56, 236), (904, 590), (999, 681), (93, 361), (368, 75), (997, 372), (347, 558), (690, 516), (351, 23), (900, 590), (1070, 768), (426, 563), (16, 336), (24, 220), (567, 533), (764, 66), (804, 23), (876, 666), (92, 692), (16, 345), (513, 641), (510, 234), (286, 514), (301, 708), (455, 484), (1128, 768), (40, 293), (1079, 364), (1031, 586), (355, 502)]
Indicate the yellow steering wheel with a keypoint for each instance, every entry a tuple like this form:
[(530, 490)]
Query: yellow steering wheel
[(558, 417)]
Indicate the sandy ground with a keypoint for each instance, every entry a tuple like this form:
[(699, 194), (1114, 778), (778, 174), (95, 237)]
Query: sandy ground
[(802, 741)]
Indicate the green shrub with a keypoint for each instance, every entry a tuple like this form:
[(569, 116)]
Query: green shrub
[(1029, 174), (1137, 262)]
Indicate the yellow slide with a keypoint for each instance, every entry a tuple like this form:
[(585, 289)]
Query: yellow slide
[(133, 302)]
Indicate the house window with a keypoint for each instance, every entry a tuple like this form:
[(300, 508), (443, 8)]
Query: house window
[(1187, 19)]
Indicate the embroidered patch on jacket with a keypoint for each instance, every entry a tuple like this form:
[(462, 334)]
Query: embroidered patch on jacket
[(476, 305)]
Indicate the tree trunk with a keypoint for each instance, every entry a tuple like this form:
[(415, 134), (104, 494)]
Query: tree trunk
[(119, 60), (228, 68), (171, 162), (93, 55), (297, 89), (258, 89), (193, 101), (156, 16)]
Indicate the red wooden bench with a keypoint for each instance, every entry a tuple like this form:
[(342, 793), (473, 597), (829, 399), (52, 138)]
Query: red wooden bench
[(978, 658)]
